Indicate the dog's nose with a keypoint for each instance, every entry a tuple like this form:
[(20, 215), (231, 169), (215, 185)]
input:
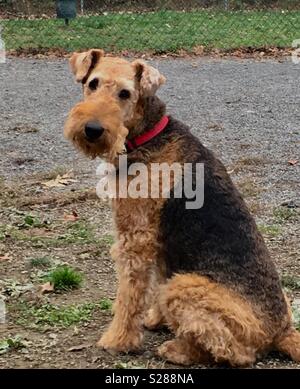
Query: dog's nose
[(93, 131)]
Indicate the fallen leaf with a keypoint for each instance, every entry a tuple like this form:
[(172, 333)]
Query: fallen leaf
[(293, 162), (80, 347), (60, 181), (5, 257), (84, 255), (198, 50), (72, 218), (215, 126), (46, 288)]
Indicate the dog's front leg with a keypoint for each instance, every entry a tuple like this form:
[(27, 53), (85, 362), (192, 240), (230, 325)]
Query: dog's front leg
[(125, 333), (153, 318)]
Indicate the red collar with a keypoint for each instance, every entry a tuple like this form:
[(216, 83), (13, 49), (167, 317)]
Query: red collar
[(141, 139)]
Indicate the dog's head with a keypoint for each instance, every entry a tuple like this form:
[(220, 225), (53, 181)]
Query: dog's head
[(113, 91), (96, 127)]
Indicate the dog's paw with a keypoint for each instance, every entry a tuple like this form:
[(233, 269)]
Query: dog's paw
[(113, 343), (172, 352), (153, 319)]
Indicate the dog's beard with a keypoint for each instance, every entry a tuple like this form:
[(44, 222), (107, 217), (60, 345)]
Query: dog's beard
[(108, 147), (117, 146), (112, 141)]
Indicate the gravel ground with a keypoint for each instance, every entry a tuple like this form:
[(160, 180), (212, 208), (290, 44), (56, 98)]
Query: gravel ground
[(248, 112), (235, 107)]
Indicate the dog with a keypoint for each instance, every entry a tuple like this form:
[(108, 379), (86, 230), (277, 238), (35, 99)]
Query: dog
[(205, 273)]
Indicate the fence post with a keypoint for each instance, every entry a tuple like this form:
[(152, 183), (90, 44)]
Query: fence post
[(81, 6), (226, 4)]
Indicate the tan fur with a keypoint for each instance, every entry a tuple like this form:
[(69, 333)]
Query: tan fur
[(110, 116), (210, 321), (114, 75), (183, 351), (139, 266), (219, 321), (135, 254), (115, 115), (289, 343), (80, 63), (151, 79)]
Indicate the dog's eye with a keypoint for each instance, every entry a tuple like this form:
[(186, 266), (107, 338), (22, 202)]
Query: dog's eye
[(124, 94), (93, 85)]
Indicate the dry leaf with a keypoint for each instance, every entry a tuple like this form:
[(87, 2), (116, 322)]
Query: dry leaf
[(293, 162), (72, 218), (5, 257), (80, 347), (198, 50), (46, 288), (60, 181)]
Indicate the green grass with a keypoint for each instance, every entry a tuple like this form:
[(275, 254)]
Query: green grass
[(11, 344), (270, 230), (284, 214), (107, 240), (65, 278), (290, 282), (158, 31), (76, 233), (105, 305), (30, 221), (49, 315), (296, 317), (40, 262), (54, 234)]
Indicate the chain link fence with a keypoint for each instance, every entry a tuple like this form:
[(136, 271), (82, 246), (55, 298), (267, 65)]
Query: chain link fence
[(150, 25)]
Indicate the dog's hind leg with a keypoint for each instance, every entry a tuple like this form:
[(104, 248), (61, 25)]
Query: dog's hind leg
[(209, 320), (289, 344)]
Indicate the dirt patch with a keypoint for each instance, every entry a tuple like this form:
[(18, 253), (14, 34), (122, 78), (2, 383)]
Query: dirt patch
[(60, 329), (256, 53)]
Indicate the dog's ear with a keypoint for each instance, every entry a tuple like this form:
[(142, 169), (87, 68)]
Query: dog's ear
[(148, 77), (83, 63)]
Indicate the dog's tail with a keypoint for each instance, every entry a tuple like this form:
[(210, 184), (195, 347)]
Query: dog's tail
[(289, 343)]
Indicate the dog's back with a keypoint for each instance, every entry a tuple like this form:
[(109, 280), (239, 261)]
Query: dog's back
[(219, 240)]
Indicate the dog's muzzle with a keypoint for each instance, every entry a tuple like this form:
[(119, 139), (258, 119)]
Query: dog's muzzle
[(93, 131)]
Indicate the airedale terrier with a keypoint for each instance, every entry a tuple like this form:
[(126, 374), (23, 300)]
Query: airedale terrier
[(205, 273)]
